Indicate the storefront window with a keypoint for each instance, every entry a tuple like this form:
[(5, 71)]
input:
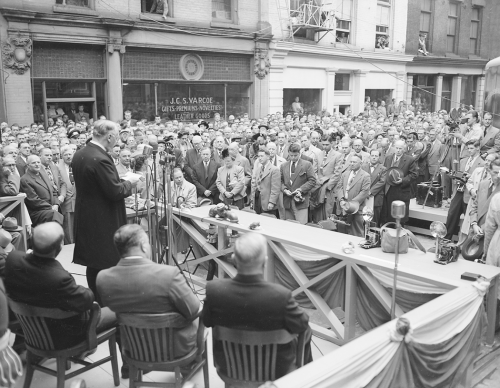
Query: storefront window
[(140, 100), (64, 99), (422, 97), (237, 100), (342, 81), (446, 93), (306, 101), (468, 92), (379, 95), (190, 102)]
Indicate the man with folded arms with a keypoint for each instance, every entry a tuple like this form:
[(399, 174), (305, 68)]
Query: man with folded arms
[(248, 302), (138, 285)]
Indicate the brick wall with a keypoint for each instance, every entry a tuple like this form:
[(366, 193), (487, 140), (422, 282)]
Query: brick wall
[(57, 60), (165, 66)]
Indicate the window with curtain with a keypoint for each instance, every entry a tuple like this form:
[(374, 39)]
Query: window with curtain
[(453, 16), (382, 26), (425, 19), (343, 30), (475, 28), (222, 10)]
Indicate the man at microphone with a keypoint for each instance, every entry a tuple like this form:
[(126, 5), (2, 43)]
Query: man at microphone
[(100, 205)]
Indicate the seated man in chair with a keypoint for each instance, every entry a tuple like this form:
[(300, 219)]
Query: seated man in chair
[(39, 280), (248, 302), (138, 285)]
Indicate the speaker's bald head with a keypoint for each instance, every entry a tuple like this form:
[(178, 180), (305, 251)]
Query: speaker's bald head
[(250, 253), (47, 239)]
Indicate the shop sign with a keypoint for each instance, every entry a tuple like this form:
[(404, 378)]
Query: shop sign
[(192, 108)]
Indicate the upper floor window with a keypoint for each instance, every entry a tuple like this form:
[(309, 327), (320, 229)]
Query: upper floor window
[(344, 10), (342, 81), (382, 27), (475, 30), (224, 10), (159, 7), (453, 17), (76, 3)]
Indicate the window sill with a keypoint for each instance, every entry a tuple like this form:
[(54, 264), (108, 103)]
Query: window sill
[(343, 92), (227, 25), (58, 8), (146, 16)]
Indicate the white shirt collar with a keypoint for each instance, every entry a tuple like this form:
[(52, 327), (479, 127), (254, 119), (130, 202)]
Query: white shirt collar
[(98, 144)]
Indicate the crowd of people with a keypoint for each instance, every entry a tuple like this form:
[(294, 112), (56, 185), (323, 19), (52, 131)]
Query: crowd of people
[(306, 168)]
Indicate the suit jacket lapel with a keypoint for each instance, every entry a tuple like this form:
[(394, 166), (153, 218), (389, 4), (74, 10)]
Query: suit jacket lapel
[(298, 169), (267, 170)]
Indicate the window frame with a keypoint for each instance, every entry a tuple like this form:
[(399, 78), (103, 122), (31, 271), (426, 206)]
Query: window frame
[(388, 5), (457, 27), (345, 20), (477, 40), (349, 87), (170, 9), (234, 14), (429, 13), (75, 9)]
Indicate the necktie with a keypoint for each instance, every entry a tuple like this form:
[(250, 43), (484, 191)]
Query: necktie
[(395, 162), (293, 167), (275, 161), (49, 173), (206, 169), (71, 179), (468, 164), (349, 183)]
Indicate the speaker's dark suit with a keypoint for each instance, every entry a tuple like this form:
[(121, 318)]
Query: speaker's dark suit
[(43, 282), (99, 207), (248, 302), (193, 157), (400, 192), (377, 188), (206, 182), (40, 198)]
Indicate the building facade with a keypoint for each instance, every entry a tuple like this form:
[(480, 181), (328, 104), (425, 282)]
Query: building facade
[(341, 52), (460, 37), (153, 57)]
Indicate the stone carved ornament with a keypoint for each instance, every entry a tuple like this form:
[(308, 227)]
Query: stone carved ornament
[(262, 63), (16, 53)]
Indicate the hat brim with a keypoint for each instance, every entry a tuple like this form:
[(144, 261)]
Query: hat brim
[(16, 229), (392, 173), (472, 249)]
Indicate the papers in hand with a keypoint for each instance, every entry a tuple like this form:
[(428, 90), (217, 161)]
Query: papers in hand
[(131, 176)]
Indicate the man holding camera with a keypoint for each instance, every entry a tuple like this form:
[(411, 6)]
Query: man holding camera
[(461, 198)]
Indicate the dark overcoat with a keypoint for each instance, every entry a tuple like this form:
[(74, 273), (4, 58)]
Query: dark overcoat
[(99, 207)]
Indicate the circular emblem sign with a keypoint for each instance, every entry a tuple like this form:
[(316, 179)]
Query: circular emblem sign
[(191, 67)]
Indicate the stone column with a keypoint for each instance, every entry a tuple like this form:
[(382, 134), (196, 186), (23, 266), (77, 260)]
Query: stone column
[(115, 99), (276, 75), (409, 88), (456, 91), (329, 89), (439, 92), (479, 103), (358, 103), (400, 86)]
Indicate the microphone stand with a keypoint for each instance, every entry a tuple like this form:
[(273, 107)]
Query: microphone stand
[(150, 220), (155, 191), (398, 211)]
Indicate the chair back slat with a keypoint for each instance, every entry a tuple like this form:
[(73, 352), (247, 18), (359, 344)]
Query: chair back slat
[(37, 332), (151, 336), (251, 355)]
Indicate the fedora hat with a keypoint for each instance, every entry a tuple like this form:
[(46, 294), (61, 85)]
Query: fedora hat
[(351, 207), (393, 174), (10, 224), (204, 123), (5, 241), (473, 247)]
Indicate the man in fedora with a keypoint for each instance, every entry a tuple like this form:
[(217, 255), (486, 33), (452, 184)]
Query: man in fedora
[(10, 225), (354, 186)]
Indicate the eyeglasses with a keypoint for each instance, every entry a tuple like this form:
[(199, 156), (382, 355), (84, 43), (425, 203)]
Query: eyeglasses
[(9, 165)]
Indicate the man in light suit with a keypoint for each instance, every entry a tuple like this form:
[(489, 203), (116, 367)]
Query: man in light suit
[(377, 184), (68, 207), (308, 151), (42, 204), (297, 180), (266, 185), (13, 179), (242, 162), (123, 165), (490, 142), (183, 192), (435, 152), (357, 149), (282, 146), (53, 173), (401, 190), (205, 177), (385, 149), (274, 158), (138, 285), (461, 198), (231, 182), (354, 185)]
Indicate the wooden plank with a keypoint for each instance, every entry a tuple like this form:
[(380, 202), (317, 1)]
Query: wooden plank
[(377, 289), (301, 278), (210, 256), (491, 310), (326, 334), (350, 303)]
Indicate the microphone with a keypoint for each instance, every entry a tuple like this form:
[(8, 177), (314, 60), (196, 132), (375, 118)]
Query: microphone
[(398, 209), (148, 150), (154, 145)]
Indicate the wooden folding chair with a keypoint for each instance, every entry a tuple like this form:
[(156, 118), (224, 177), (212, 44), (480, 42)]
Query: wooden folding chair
[(251, 356), (148, 343), (35, 322)]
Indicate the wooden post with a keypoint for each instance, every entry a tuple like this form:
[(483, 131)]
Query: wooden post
[(350, 303), (491, 305), (221, 244)]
